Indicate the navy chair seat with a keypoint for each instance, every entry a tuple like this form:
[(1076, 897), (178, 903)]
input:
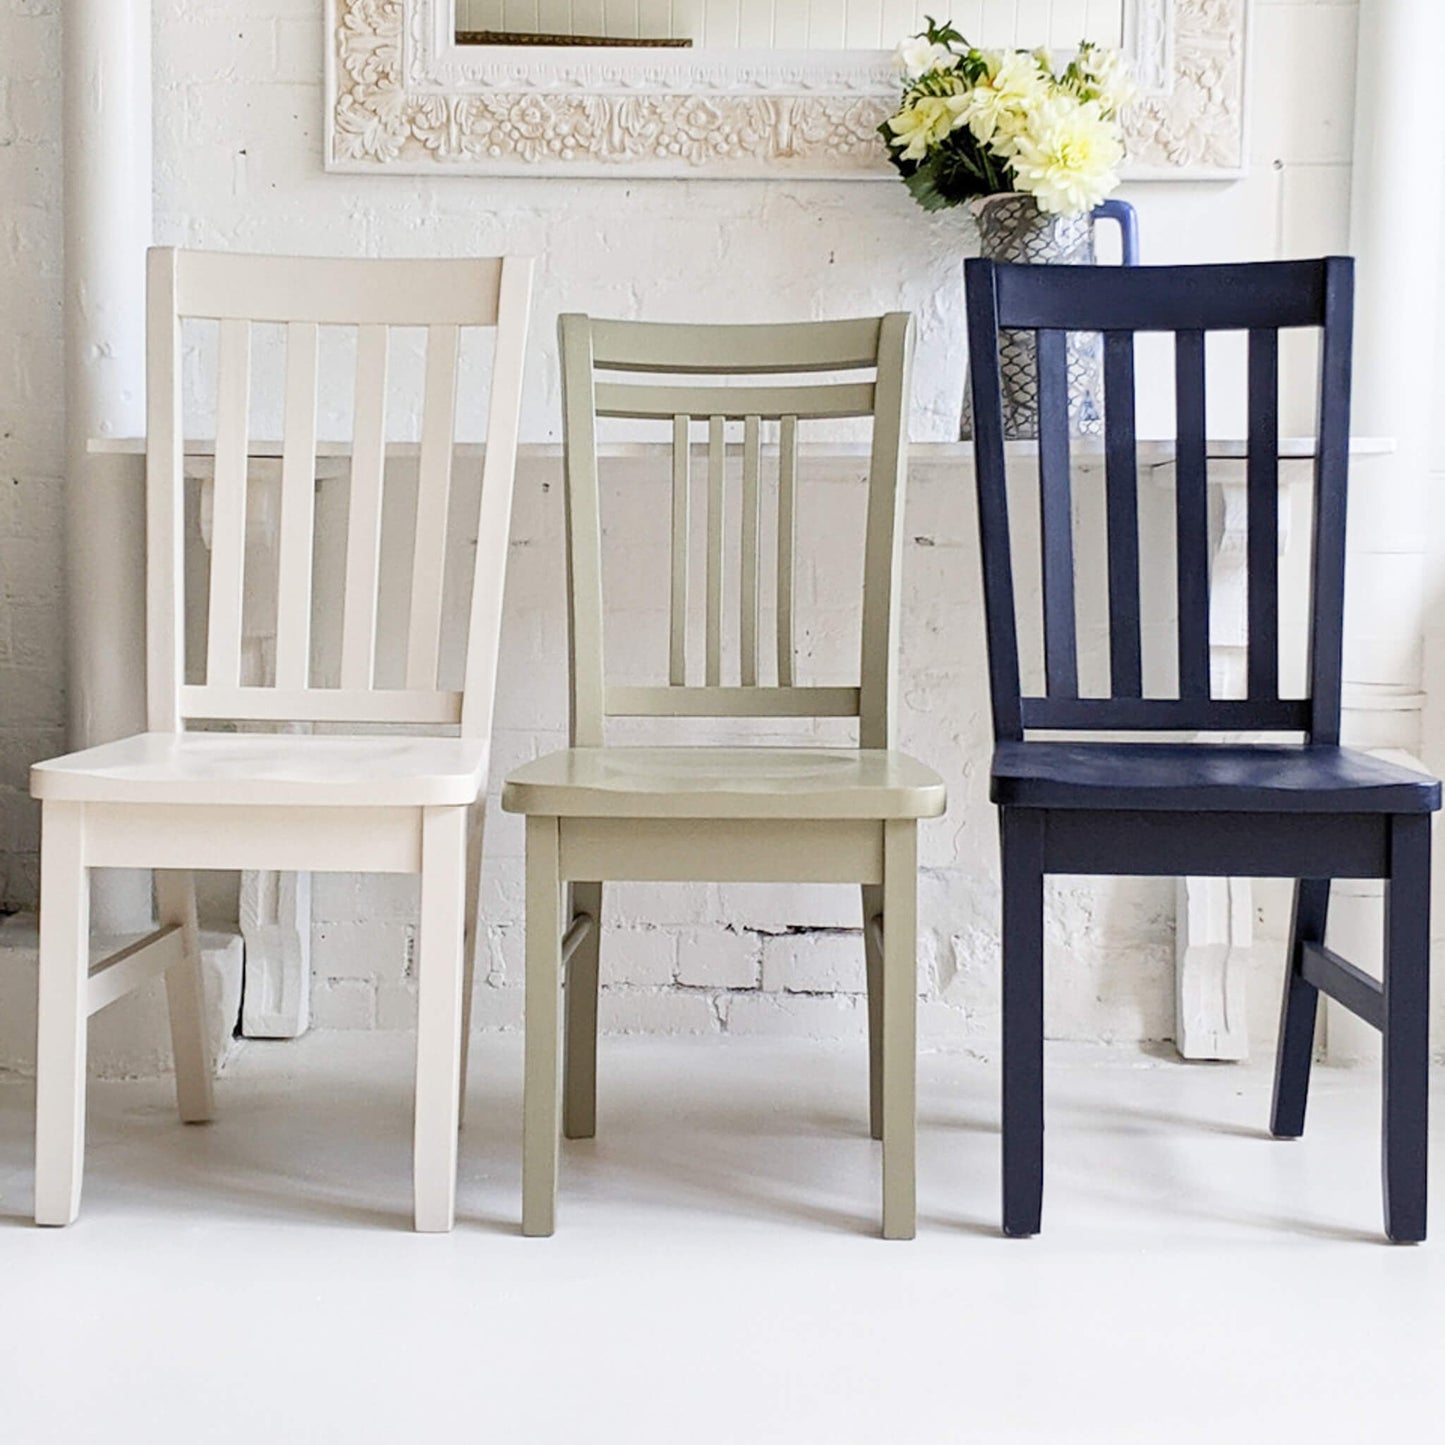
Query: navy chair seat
[(1206, 777)]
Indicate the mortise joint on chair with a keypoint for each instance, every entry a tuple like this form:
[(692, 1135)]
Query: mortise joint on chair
[(576, 936), (875, 929)]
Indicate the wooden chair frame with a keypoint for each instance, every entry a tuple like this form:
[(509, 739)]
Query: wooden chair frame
[(312, 804), (863, 832), (1313, 812)]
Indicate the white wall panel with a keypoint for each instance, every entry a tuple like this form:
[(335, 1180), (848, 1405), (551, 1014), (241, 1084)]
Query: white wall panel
[(803, 24)]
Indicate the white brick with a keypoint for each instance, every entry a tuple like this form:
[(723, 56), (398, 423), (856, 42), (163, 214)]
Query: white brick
[(363, 949), (343, 1003), (643, 957), (773, 908), (220, 47), (396, 1006), (814, 963), (494, 1009), (656, 1011), (718, 957), (795, 1015)]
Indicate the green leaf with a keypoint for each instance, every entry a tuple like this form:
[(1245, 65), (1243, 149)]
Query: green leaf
[(922, 188), (943, 34)]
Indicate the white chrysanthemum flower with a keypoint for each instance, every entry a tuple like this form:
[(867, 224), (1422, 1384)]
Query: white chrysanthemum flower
[(917, 55), (920, 126), (1066, 156), (999, 105), (1105, 78)]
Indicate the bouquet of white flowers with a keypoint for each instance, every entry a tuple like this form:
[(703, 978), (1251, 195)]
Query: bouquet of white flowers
[(980, 122)]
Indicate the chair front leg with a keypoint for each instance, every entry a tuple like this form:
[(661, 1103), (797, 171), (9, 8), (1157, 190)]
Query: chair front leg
[(63, 1013), (899, 1031), (1297, 1012), (1023, 1020), (873, 960), (186, 999), (439, 1017), (579, 1119), (1407, 1028), (542, 1084)]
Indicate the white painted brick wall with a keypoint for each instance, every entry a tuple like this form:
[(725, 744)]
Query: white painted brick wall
[(31, 421), (238, 166)]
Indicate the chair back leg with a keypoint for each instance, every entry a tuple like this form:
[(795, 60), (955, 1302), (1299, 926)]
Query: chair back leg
[(186, 999), (1023, 1020), (579, 1069), (470, 946), (1407, 1028), (1297, 1011), (873, 959)]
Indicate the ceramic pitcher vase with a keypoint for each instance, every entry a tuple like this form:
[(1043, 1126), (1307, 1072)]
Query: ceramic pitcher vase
[(1011, 227)]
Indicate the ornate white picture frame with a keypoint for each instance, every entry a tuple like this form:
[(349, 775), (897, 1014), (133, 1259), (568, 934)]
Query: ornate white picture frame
[(401, 95)]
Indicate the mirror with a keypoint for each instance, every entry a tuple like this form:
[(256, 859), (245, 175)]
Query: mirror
[(781, 24), (732, 88)]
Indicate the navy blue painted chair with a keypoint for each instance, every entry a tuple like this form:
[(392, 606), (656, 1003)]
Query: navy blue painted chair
[(1309, 810)]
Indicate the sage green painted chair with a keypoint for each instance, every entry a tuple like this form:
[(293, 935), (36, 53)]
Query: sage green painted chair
[(599, 814)]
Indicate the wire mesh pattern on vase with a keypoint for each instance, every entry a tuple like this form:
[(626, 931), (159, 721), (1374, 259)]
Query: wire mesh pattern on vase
[(1011, 227)]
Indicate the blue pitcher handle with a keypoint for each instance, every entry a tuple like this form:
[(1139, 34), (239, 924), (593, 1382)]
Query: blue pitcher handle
[(1125, 215)]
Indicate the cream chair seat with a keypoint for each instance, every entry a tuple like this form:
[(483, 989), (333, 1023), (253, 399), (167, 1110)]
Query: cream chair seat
[(270, 771)]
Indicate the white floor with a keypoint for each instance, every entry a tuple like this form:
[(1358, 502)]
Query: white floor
[(716, 1275)]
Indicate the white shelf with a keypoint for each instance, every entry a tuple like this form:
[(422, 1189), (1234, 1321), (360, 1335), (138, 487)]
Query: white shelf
[(1149, 452)]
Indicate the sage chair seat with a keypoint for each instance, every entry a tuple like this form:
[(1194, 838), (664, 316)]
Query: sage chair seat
[(745, 782)]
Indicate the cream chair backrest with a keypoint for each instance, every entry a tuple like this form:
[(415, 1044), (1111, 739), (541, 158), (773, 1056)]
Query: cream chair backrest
[(304, 296)]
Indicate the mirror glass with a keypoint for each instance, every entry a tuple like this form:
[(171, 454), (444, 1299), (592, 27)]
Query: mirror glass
[(785, 24)]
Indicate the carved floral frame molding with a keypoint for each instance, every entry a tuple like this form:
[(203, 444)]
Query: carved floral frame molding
[(402, 96)]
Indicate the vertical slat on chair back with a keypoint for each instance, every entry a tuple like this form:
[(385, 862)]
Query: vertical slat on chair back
[(1262, 515), (742, 389), (1056, 515), (434, 490), (298, 511), (787, 547), (1191, 513), (303, 296), (716, 498), (1188, 302), (1121, 480), (363, 513), (228, 546)]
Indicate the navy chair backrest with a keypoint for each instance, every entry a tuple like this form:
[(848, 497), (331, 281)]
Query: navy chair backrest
[(1261, 299)]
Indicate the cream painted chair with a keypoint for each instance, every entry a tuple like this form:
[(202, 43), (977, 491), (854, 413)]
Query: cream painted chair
[(174, 800), (599, 814)]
